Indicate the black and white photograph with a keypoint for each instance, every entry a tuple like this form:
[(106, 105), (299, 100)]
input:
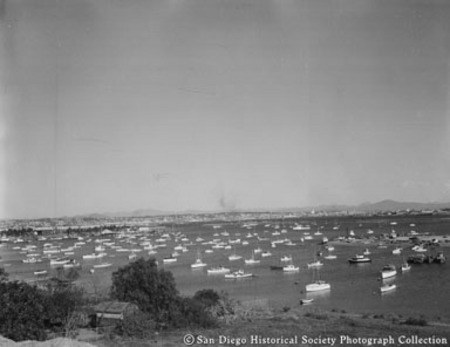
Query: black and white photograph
[(224, 173)]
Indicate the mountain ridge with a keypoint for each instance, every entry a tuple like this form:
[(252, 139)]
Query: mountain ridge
[(383, 205)]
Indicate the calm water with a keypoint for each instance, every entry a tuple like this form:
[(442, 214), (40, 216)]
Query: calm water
[(354, 288)]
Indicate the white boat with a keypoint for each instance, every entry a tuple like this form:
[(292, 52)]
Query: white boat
[(405, 267), (397, 250), (198, 263), (317, 286), (234, 257), (252, 260), (51, 251), (387, 288), (132, 256), (238, 275), (59, 261), (290, 268), (40, 272), (169, 260), (359, 259), (316, 263), (220, 270), (419, 248), (31, 260), (366, 252), (94, 255), (266, 254), (330, 256), (388, 271), (306, 301), (102, 265), (286, 258), (71, 264)]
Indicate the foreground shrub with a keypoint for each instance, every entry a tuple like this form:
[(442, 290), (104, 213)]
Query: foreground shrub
[(208, 297), (64, 308), (137, 324), (30, 313), (23, 311), (194, 313), (151, 289), (416, 321)]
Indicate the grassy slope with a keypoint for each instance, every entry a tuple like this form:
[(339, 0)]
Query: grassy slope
[(300, 322)]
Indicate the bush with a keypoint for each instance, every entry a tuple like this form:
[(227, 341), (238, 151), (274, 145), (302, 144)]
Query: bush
[(151, 289), (3, 275), (317, 315), (416, 321), (193, 314), (226, 309), (208, 297), (137, 324), (23, 311), (64, 308)]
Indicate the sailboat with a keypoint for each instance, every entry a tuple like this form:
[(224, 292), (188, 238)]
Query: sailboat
[(405, 266), (317, 285), (198, 262), (234, 256), (252, 260)]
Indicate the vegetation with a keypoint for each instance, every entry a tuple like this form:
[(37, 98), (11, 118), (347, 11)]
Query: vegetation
[(153, 290), (30, 312), (416, 321), (3, 275), (24, 312)]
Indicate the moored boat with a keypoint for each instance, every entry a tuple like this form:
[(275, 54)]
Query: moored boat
[(397, 250), (219, 270), (169, 260), (238, 275), (291, 268), (358, 259), (40, 272), (387, 288), (388, 271), (405, 267), (286, 258), (102, 265), (234, 257), (306, 301), (330, 256), (252, 260), (59, 261), (316, 263), (198, 264), (317, 286)]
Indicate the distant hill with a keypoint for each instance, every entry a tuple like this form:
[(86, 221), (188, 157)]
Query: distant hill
[(391, 205), (384, 205)]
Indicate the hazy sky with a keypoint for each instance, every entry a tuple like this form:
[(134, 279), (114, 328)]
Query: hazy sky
[(116, 105)]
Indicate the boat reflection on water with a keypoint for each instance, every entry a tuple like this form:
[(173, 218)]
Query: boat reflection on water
[(317, 296)]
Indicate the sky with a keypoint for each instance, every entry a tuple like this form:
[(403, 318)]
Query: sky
[(174, 105)]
